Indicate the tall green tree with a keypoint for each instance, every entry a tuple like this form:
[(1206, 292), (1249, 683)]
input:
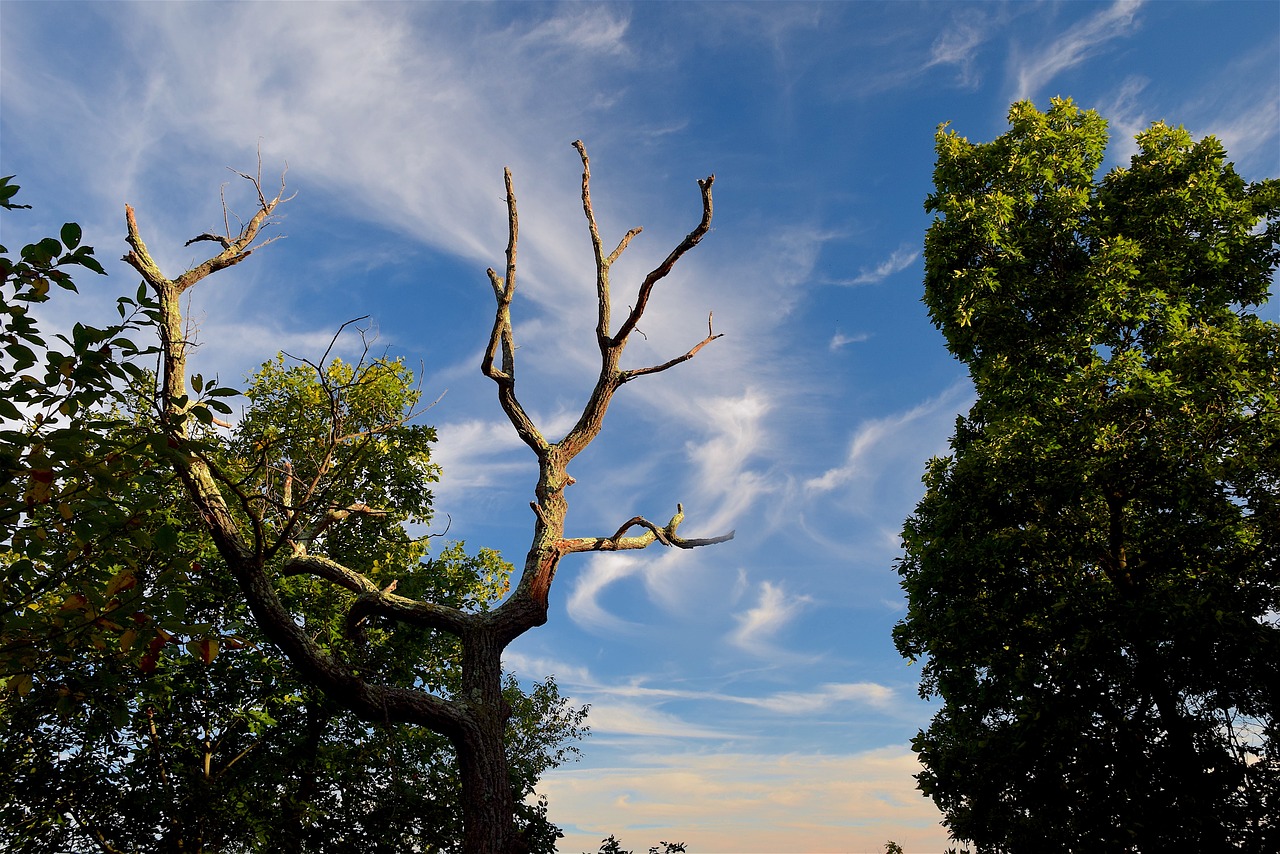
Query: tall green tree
[(1093, 575)]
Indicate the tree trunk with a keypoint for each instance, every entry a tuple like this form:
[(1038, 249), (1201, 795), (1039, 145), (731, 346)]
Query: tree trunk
[(488, 802)]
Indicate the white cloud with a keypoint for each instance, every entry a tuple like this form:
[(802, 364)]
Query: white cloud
[(1073, 47), (1247, 122), (641, 720), (535, 668), (881, 442), (758, 625), (601, 571), (594, 29), (721, 485), (1126, 117), (1251, 132), (476, 453), (825, 697), (724, 460), (958, 44), (587, 688), (840, 340), (902, 258)]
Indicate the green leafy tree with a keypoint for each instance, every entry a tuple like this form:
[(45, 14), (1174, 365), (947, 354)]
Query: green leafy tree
[(1093, 575), (209, 741)]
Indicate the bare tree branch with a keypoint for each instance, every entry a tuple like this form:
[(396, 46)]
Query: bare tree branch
[(639, 372), (501, 337), (691, 240), (528, 604), (602, 263), (665, 535)]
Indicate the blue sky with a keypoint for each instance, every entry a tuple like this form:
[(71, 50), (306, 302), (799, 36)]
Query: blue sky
[(745, 697)]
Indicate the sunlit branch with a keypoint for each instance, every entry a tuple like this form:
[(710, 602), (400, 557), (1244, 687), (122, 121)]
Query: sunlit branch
[(666, 535), (501, 335), (639, 372)]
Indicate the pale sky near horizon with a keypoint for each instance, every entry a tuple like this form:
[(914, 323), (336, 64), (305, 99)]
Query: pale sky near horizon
[(746, 697)]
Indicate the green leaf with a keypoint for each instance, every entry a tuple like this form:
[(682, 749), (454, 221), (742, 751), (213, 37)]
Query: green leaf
[(165, 539), (71, 235), (84, 257)]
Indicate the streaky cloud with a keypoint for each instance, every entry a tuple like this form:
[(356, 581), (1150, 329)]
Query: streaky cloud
[(902, 258), (879, 441), (958, 43), (767, 801), (758, 625), (582, 28), (1077, 44), (600, 572)]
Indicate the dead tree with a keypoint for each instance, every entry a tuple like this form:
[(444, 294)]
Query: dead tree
[(475, 718)]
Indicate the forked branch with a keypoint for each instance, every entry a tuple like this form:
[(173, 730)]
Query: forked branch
[(671, 363), (666, 535), (528, 605), (234, 248), (501, 338), (611, 346)]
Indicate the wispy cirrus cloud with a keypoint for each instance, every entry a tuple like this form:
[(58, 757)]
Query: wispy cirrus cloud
[(1247, 123), (725, 459), (760, 624), (1080, 42), (586, 687), (957, 45), (725, 479), (639, 720), (879, 443), (827, 696), (902, 258), (578, 28), (1126, 116), (584, 598)]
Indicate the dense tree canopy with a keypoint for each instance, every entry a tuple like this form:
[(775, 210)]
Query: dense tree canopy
[(1094, 572)]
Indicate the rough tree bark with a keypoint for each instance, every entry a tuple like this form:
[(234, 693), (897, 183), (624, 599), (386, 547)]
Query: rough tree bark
[(475, 718)]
